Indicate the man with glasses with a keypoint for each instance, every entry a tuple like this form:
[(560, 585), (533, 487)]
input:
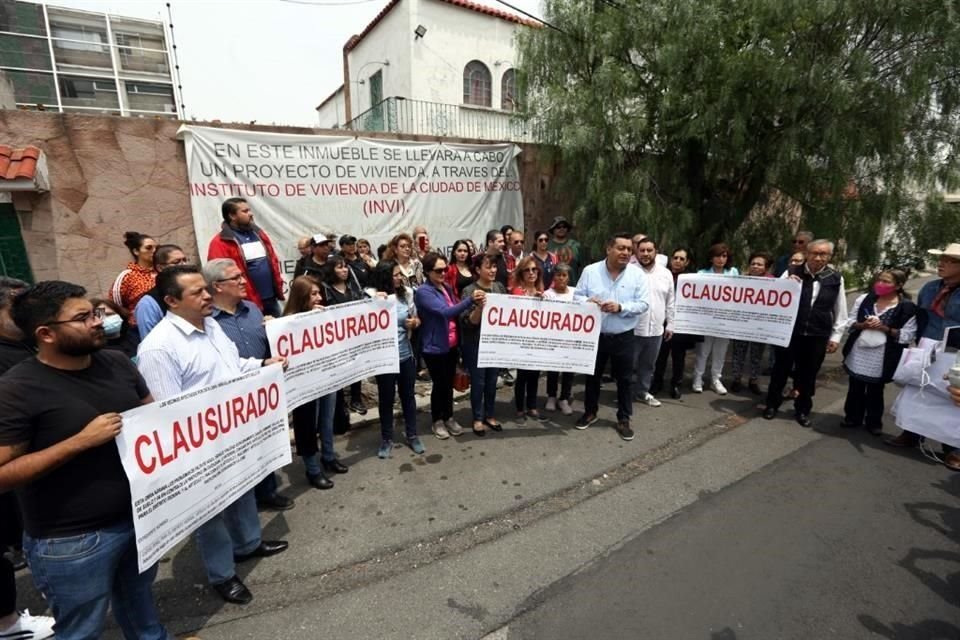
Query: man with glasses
[(59, 416), (150, 308), (565, 247), (188, 350), (620, 290), (938, 309), (243, 322), (799, 243), (821, 321), (514, 250)]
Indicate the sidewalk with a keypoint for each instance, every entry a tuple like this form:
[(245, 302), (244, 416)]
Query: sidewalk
[(388, 517)]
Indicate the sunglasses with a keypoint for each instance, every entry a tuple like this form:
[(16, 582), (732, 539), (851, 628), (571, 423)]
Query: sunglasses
[(441, 270), (543, 239), (531, 270)]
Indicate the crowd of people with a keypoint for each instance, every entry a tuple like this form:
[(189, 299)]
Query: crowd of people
[(72, 364)]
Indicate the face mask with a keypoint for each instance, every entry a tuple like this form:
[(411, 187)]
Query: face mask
[(884, 288), (112, 324)]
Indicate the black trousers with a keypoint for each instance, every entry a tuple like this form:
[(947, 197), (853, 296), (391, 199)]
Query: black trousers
[(803, 357), (864, 404), (676, 350), (525, 389), (565, 381), (618, 349), (11, 525), (8, 588), (441, 368)]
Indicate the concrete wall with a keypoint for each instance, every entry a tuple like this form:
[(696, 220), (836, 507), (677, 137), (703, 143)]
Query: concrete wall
[(109, 175), (390, 41), (333, 113)]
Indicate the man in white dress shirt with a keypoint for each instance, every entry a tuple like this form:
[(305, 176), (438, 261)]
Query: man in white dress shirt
[(656, 324), (188, 350)]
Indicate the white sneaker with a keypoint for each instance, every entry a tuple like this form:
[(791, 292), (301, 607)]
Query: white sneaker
[(28, 627), (551, 404), (454, 428), (697, 385), (649, 400), (565, 408), (440, 430), (717, 387)]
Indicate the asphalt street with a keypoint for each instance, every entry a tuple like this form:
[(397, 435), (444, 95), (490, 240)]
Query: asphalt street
[(842, 539)]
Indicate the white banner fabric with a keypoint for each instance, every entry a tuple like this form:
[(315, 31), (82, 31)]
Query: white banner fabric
[(546, 335), (189, 457), (331, 348), (738, 307), (300, 185)]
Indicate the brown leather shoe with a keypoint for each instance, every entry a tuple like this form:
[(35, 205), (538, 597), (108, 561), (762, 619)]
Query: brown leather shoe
[(952, 460), (905, 439)]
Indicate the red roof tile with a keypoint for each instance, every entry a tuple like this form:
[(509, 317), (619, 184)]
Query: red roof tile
[(465, 4), (18, 163)]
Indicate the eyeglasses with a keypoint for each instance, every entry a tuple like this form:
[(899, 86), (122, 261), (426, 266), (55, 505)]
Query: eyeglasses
[(518, 242), (820, 254), (85, 318), (235, 279), (531, 270), (543, 239)]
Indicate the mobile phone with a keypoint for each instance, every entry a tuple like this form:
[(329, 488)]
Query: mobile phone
[(422, 243)]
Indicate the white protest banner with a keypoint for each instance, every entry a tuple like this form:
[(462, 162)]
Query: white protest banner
[(738, 307), (189, 457), (532, 333), (299, 185), (329, 349)]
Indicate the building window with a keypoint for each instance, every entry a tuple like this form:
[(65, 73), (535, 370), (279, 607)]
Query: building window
[(476, 84), (508, 91)]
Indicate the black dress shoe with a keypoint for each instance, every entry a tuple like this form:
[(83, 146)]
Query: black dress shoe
[(675, 392), (803, 419), (358, 407), (769, 413), (276, 502), (234, 591), (266, 549), (334, 466), (320, 481), (496, 426)]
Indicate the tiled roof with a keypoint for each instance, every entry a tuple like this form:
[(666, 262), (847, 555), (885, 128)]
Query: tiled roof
[(465, 4), (18, 163)]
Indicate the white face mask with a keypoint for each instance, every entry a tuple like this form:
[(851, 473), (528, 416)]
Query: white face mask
[(112, 324)]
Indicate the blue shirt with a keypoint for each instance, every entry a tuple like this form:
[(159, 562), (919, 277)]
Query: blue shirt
[(932, 325), (629, 290), (148, 314), (258, 269), (731, 271), (245, 329)]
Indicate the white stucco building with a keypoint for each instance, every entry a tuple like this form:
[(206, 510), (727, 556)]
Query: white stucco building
[(436, 67)]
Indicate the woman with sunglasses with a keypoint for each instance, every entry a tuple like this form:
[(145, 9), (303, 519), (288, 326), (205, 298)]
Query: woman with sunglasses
[(546, 260), (714, 348), (438, 309), (316, 415), (483, 382), (460, 274), (527, 281)]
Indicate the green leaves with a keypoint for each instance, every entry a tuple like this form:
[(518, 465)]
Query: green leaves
[(713, 119)]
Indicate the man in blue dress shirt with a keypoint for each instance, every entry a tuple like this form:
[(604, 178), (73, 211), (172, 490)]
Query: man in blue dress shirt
[(620, 290)]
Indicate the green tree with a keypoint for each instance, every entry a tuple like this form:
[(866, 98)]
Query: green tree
[(680, 117)]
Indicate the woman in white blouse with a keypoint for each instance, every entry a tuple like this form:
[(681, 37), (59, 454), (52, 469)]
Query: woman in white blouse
[(881, 323)]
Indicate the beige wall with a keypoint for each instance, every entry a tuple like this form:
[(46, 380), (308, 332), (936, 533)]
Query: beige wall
[(109, 175)]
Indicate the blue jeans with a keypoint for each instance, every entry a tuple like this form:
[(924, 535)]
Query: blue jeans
[(483, 384), (387, 386), (645, 351), (82, 575), (266, 488), (236, 529)]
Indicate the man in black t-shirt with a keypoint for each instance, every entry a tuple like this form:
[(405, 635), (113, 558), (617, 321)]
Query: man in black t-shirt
[(59, 416)]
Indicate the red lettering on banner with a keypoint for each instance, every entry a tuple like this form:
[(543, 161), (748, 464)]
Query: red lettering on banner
[(148, 450), (332, 331), (737, 294), (541, 319)]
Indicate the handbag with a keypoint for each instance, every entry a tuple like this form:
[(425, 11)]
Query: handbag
[(461, 380)]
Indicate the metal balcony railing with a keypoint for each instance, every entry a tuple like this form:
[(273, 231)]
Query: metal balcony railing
[(401, 115)]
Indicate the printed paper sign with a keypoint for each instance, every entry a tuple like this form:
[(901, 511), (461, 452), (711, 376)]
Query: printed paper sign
[(738, 307), (329, 349), (189, 457), (299, 185), (546, 335)]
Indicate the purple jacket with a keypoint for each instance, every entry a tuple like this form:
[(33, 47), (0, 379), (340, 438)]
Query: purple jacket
[(435, 316)]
